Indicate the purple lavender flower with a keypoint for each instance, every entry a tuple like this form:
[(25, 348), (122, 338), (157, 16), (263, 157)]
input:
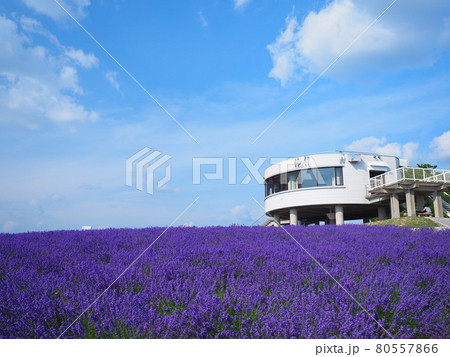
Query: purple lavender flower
[(226, 282)]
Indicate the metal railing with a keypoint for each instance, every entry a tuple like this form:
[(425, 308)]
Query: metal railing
[(409, 174), (443, 177)]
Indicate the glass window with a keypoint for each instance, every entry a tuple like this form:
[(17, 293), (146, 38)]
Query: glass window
[(339, 177), (276, 184), (293, 180), (284, 181), (308, 178), (268, 186), (325, 176)]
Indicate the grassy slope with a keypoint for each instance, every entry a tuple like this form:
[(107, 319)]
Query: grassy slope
[(407, 222)]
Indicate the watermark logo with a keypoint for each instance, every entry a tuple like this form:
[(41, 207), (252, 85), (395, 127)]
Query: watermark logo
[(141, 167), (253, 169)]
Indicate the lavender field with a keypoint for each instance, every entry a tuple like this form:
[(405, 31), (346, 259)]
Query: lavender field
[(226, 282)]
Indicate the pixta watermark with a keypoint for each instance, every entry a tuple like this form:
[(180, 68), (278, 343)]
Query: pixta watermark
[(142, 167), (149, 169)]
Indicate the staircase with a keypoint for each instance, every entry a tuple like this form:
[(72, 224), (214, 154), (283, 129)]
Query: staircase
[(445, 203)]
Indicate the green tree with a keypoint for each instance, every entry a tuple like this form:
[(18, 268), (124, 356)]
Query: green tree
[(427, 166)]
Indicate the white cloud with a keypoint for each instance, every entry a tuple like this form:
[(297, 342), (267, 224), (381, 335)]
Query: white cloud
[(397, 41), (381, 146), (239, 210), (244, 214), (202, 19), (284, 54), (69, 78), (51, 9), (112, 79), (410, 151), (36, 86), (33, 26), (441, 146), (240, 4), (32, 100), (241, 214), (85, 60), (8, 226)]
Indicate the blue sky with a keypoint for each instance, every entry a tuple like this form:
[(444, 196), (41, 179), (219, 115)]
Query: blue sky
[(70, 116)]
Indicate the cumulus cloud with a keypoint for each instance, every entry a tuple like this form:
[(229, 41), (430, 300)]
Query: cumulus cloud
[(87, 60), (31, 99), (36, 86), (441, 146), (69, 76), (284, 53), (112, 79), (381, 146), (409, 35), (51, 9), (240, 4)]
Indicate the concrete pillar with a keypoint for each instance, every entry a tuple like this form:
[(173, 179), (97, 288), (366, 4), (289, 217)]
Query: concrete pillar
[(382, 213), (420, 201), (395, 206), (437, 203), (339, 210), (293, 219), (331, 218), (276, 217), (410, 203)]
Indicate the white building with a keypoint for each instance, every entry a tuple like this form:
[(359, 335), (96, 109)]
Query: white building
[(349, 185)]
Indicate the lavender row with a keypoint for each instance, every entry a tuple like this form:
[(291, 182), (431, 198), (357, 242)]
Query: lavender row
[(226, 282)]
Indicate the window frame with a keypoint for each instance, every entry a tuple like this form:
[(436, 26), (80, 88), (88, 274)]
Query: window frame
[(283, 179), (336, 176)]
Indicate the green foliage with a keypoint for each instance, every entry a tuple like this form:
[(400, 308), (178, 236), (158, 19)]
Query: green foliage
[(168, 307), (415, 222), (427, 166), (89, 327)]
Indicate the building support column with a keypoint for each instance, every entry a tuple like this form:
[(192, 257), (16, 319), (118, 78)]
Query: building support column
[(437, 203), (395, 206), (331, 217), (293, 219), (382, 213), (410, 202), (339, 210), (420, 201), (276, 217)]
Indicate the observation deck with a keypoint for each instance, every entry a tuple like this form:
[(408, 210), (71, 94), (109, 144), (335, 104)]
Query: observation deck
[(411, 182)]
